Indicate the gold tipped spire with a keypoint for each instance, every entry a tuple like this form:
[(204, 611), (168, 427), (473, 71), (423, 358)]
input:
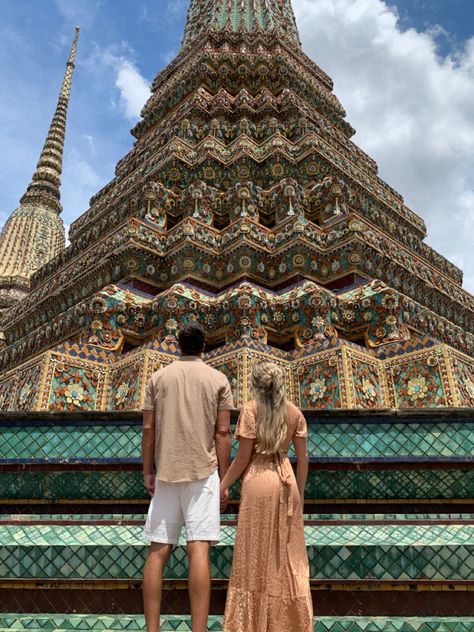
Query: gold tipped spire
[(46, 181), (34, 232)]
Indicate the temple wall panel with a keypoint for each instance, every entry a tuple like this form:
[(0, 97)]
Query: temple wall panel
[(21, 390), (420, 380), (129, 378), (462, 375), (366, 380), (320, 382), (316, 377), (74, 385)]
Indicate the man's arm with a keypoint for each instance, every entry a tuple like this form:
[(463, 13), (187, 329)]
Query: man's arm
[(148, 450), (223, 441)]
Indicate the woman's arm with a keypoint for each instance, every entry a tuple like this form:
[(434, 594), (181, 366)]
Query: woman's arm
[(302, 464), (239, 464)]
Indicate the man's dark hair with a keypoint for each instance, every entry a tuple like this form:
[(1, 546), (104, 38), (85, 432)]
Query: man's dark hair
[(191, 338)]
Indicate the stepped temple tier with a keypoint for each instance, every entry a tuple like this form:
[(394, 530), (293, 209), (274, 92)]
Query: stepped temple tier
[(243, 203)]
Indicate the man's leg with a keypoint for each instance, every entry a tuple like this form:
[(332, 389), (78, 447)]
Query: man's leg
[(152, 584), (199, 584)]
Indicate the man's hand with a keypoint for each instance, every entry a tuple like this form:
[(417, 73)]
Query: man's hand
[(224, 499), (149, 482)]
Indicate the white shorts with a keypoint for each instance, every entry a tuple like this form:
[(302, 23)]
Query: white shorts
[(194, 505)]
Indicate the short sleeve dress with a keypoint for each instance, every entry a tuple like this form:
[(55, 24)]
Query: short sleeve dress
[(269, 587)]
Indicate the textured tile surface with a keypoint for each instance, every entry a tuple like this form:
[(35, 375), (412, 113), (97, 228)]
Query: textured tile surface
[(360, 551), (322, 484), (342, 440), (126, 623)]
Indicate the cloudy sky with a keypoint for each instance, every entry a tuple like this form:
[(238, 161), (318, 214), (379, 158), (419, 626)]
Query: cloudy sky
[(403, 69)]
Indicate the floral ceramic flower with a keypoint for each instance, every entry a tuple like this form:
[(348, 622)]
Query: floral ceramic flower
[(417, 388), (171, 324), (317, 389), (368, 389), (122, 394), (75, 394)]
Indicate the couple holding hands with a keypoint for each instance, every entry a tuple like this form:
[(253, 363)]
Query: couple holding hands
[(186, 452)]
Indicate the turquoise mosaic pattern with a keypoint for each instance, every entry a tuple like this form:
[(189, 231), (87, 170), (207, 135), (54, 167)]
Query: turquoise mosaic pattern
[(65, 442), (322, 484), (124, 623), (335, 440), (73, 388), (350, 552)]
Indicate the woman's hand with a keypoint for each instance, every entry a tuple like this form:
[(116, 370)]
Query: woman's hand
[(224, 491)]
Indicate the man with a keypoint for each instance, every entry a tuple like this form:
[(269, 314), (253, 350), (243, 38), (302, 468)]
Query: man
[(186, 436)]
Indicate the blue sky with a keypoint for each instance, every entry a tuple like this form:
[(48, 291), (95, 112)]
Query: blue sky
[(403, 69)]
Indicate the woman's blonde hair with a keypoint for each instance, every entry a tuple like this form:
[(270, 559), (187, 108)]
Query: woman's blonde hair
[(268, 389)]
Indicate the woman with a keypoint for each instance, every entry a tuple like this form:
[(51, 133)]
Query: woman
[(269, 585)]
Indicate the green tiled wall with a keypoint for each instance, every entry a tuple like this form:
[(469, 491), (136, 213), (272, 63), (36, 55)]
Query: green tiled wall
[(389, 551), (88, 623), (325, 440), (322, 484)]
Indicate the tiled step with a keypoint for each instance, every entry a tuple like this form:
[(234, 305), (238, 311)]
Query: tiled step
[(352, 437), (354, 551), (359, 564), (408, 461), (77, 623)]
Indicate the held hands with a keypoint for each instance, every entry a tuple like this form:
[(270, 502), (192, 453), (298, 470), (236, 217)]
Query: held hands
[(224, 491), (149, 482)]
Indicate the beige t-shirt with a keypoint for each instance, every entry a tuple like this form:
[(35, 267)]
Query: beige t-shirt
[(186, 396)]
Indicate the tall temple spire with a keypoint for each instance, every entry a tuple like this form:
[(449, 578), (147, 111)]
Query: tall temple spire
[(241, 16), (44, 186), (34, 233)]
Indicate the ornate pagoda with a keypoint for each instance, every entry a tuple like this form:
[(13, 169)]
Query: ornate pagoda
[(245, 204)]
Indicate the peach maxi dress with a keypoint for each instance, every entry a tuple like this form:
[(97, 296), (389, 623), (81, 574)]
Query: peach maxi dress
[(269, 585)]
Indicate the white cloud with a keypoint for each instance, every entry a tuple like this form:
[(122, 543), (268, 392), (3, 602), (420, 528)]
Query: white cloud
[(82, 12), (413, 110), (90, 141), (133, 88)]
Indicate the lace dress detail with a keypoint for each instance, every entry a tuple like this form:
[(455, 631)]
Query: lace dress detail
[(269, 585)]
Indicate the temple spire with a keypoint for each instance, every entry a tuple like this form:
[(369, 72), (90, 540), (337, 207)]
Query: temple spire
[(241, 16), (45, 184), (34, 232)]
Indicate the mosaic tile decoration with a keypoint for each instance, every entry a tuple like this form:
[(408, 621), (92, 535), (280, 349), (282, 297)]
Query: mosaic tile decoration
[(351, 552), (335, 440), (129, 623), (97, 518), (322, 484)]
